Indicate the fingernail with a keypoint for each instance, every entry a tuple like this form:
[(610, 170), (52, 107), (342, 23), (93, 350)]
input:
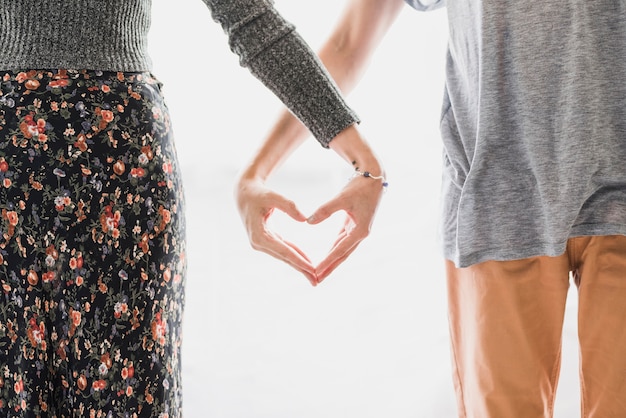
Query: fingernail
[(311, 218)]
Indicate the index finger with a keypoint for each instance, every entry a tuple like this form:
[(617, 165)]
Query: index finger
[(344, 246), (288, 253)]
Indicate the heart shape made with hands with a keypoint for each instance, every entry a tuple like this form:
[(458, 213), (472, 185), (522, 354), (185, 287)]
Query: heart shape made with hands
[(314, 240)]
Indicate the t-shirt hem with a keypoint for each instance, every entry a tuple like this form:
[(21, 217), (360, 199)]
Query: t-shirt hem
[(555, 249)]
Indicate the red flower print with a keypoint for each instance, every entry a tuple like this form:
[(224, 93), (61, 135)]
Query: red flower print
[(32, 84), (99, 384), (128, 372), (159, 329), (107, 116), (59, 80), (76, 318), (119, 167), (77, 261), (148, 151), (110, 221), (48, 276), (106, 360), (137, 172), (143, 243), (29, 79), (32, 278), (36, 185), (30, 128), (51, 250), (36, 334), (81, 142), (166, 218), (119, 309), (21, 77), (58, 83), (59, 203), (82, 382), (18, 387), (13, 218)]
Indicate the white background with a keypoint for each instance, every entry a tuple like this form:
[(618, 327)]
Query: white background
[(372, 340)]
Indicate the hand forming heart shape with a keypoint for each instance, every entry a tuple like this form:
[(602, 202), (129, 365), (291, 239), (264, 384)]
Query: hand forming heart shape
[(314, 240), (359, 200)]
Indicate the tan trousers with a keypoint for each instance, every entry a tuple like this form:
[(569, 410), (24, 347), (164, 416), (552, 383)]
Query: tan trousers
[(506, 319)]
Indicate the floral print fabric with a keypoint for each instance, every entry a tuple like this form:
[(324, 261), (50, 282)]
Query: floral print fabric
[(92, 250)]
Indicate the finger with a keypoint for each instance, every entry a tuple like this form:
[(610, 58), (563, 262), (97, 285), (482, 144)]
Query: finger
[(326, 271), (342, 235), (322, 275), (289, 207), (348, 227), (305, 268), (298, 250), (342, 249), (280, 239), (325, 211), (289, 254)]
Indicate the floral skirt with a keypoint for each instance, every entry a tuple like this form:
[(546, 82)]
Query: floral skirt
[(92, 250)]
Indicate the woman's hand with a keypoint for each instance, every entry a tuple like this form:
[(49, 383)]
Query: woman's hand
[(256, 203), (359, 199)]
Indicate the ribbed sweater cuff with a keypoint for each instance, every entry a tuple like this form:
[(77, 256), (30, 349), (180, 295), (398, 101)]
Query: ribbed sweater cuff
[(274, 53), (295, 75)]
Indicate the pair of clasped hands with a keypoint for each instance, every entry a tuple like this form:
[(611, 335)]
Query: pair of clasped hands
[(359, 199)]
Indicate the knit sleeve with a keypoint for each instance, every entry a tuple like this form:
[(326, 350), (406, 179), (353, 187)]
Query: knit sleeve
[(426, 5), (275, 53)]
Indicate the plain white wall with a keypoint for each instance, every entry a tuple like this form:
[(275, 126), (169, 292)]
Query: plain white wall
[(372, 340)]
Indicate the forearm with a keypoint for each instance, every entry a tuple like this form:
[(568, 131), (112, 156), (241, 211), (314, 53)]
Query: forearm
[(270, 48), (284, 138), (346, 54), (357, 34)]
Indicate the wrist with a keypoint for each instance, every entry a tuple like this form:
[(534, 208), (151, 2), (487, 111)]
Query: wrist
[(355, 150), (253, 172)]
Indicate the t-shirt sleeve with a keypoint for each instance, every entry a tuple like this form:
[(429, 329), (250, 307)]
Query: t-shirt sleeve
[(426, 5), (275, 53)]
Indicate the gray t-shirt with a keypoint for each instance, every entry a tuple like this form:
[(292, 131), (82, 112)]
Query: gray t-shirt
[(533, 126)]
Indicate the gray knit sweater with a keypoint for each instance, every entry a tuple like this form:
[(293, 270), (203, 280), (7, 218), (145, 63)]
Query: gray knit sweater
[(111, 35)]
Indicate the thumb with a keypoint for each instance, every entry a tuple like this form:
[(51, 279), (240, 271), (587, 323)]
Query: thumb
[(323, 212)]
